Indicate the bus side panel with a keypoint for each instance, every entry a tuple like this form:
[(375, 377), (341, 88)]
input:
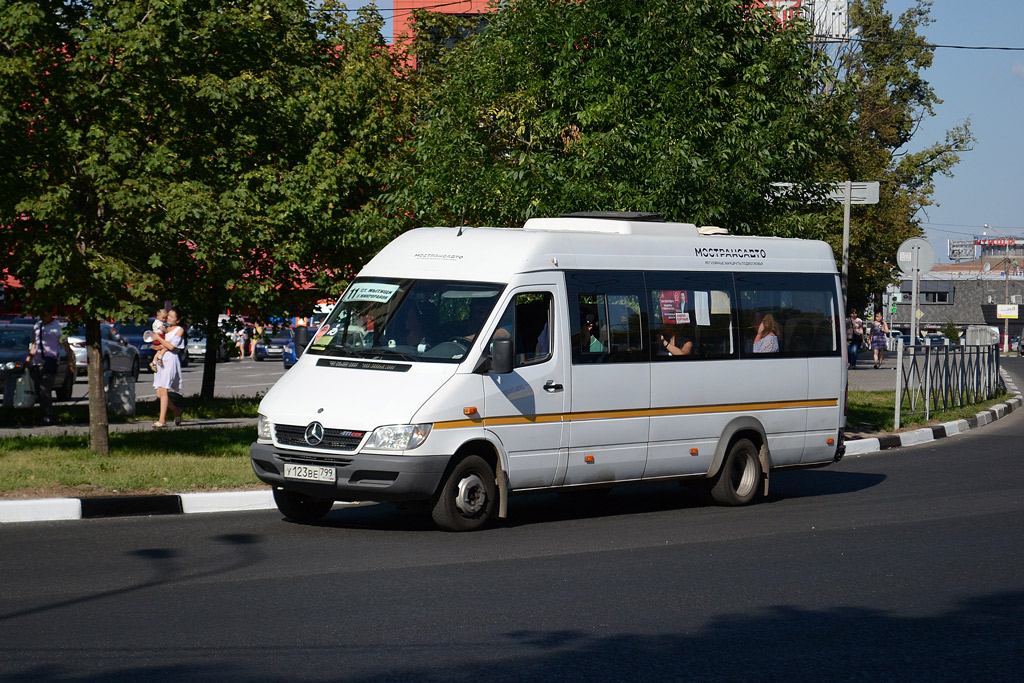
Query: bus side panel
[(603, 396), (709, 394), (827, 381)]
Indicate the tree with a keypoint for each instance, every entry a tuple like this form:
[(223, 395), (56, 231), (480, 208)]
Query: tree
[(213, 153), (689, 109), (887, 98)]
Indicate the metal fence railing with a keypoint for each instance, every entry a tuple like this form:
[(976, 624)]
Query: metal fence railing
[(943, 377)]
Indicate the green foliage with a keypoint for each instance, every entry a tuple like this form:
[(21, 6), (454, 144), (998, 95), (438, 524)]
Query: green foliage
[(952, 332), (217, 154), (688, 109), (887, 97)]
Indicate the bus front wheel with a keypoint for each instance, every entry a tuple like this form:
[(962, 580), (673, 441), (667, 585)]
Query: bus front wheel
[(739, 479), (299, 507), (466, 500)]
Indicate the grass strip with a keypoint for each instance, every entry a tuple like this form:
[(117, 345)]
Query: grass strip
[(874, 411), (139, 462)]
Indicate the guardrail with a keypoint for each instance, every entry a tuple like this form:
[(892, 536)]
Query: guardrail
[(943, 377)]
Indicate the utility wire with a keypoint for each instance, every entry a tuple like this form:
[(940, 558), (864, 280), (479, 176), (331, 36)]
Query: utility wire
[(873, 41)]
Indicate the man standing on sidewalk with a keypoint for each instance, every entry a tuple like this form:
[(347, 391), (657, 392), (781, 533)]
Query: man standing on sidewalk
[(43, 359)]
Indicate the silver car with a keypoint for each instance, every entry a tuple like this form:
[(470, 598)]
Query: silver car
[(118, 354)]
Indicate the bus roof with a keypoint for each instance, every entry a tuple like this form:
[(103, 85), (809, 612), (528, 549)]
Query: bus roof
[(497, 254)]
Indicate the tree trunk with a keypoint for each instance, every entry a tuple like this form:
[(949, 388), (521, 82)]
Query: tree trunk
[(210, 361), (99, 428)]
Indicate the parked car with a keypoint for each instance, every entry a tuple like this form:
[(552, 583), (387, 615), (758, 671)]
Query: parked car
[(14, 343), (271, 346), (288, 357), (133, 332), (197, 346), (118, 354), (935, 339)]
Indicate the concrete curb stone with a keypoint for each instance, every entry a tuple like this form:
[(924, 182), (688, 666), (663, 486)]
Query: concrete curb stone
[(58, 509)]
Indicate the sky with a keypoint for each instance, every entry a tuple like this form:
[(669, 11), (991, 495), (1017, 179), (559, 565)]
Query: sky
[(985, 87)]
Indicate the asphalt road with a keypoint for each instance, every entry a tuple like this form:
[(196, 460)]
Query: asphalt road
[(904, 563)]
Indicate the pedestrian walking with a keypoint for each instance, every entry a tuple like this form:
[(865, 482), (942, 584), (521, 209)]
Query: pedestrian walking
[(44, 359), (854, 336), (879, 334)]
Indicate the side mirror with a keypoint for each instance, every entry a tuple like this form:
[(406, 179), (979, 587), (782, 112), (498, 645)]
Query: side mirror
[(501, 356), (301, 337)]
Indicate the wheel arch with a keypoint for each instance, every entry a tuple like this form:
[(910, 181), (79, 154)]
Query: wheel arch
[(494, 456), (743, 427)]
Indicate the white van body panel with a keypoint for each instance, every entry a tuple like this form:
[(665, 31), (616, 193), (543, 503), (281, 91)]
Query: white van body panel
[(348, 398)]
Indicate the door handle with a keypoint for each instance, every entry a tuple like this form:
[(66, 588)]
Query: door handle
[(551, 387)]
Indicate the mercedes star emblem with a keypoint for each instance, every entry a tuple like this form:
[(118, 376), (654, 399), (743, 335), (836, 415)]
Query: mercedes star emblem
[(314, 433)]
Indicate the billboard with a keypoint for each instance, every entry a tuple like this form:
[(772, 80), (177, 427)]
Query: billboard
[(960, 250)]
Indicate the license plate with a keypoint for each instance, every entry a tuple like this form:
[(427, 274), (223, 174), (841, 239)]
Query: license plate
[(309, 472)]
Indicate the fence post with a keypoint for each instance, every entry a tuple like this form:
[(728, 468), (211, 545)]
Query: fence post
[(899, 382)]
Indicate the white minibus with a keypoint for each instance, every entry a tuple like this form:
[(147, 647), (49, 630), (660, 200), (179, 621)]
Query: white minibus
[(464, 365)]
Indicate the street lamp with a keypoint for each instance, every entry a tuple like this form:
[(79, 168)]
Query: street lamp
[(1006, 273)]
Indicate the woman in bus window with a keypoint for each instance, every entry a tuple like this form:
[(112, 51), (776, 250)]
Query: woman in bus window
[(673, 343), (767, 338)]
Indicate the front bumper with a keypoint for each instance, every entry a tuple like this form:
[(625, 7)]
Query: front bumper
[(381, 478)]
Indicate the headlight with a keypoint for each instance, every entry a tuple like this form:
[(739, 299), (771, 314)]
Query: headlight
[(398, 437), (264, 429)]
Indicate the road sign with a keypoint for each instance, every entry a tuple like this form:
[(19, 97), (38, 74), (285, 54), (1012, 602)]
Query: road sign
[(925, 256), (860, 193)]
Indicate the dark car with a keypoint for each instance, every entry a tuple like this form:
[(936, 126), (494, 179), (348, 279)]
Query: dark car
[(133, 331), (14, 343), (271, 346)]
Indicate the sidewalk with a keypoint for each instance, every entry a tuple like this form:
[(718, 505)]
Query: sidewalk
[(119, 427)]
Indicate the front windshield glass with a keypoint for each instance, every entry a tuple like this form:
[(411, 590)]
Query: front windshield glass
[(416, 320)]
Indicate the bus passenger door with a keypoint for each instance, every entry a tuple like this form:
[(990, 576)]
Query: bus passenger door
[(525, 408)]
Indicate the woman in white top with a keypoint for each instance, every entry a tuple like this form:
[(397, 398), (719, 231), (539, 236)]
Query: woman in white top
[(168, 378)]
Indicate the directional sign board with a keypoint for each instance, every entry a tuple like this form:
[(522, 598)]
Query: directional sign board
[(860, 193)]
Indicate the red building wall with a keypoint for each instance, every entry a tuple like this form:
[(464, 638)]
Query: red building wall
[(403, 12)]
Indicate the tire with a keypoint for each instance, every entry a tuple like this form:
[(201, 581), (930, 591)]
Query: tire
[(467, 497), (738, 482), (135, 369), (298, 507), (63, 392)]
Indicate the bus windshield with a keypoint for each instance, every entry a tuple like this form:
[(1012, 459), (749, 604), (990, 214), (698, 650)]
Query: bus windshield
[(400, 319)]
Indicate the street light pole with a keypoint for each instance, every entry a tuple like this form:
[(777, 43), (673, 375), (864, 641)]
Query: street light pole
[(1006, 279)]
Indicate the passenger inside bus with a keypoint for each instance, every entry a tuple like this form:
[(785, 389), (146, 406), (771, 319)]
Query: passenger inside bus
[(673, 342), (592, 334), (767, 338)]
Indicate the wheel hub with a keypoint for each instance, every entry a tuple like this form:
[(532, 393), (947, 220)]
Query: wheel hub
[(471, 496)]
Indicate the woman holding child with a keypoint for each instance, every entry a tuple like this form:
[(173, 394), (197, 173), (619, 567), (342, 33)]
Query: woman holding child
[(168, 377)]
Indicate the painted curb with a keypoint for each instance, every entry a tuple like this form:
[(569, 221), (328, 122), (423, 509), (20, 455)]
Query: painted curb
[(59, 509)]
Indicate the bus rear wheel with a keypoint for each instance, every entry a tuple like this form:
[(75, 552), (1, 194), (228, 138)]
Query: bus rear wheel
[(738, 481), (299, 507), (466, 500)]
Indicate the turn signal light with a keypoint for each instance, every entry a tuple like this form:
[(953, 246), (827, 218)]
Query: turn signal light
[(588, 458), (469, 410)]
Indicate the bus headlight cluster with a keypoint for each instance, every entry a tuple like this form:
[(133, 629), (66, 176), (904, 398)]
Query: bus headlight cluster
[(398, 437), (264, 430)]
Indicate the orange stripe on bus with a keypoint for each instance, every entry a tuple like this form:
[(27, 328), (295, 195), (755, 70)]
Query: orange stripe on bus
[(637, 412)]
